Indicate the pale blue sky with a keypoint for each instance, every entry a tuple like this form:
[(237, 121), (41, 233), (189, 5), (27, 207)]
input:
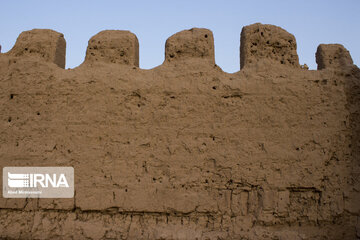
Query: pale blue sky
[(312, 22)]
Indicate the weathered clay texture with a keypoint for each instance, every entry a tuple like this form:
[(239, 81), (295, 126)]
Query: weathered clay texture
[(332, 56), (113, 46), (185, 151), (44, 43), (261, 42), (196, 43)]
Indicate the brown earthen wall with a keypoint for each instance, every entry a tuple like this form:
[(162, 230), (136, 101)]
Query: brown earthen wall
[(184, 150)]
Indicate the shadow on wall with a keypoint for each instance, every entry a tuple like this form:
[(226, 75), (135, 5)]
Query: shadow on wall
[(336, 59), (352, 91)]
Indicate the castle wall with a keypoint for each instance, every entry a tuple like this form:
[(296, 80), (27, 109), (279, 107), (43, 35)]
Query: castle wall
[(184, 150)]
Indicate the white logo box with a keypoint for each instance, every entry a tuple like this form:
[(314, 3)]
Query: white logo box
[(38, 182)]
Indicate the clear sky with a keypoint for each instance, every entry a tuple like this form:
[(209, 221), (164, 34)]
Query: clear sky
[(312, 22)]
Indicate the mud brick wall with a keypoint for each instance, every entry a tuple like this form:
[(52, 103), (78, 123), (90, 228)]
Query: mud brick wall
[(183, 150)]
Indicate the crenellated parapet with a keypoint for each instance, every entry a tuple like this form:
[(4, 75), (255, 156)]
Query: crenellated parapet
[(46, 44), (264, 41), (113, 46), (190, 44), (260, 43), (332, 56)]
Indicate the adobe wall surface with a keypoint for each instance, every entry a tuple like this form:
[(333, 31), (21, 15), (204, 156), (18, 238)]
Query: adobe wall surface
[(184, 150)]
